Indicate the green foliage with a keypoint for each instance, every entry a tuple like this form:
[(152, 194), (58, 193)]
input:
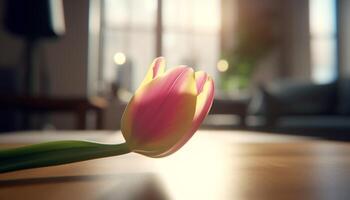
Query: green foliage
[(251, 46)]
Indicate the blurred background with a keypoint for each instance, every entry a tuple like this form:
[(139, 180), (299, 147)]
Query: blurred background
[(279, 66)]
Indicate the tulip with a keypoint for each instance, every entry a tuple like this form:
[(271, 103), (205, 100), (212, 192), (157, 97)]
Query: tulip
[(161, 117), (166, 109)]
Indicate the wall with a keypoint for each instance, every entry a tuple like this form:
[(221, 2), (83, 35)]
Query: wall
[(10, 46), (66, 57), (344, 38), (296, 49)]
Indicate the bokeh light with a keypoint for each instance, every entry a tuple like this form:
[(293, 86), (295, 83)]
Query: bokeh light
[(222, 66), (119, 58)]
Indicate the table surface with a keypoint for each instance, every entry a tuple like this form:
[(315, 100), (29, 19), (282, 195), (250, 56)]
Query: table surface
[(213, 165)]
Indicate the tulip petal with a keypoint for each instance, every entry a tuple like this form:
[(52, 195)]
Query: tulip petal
[(203, 105), (156, 69), (201, 78), (160, 112)]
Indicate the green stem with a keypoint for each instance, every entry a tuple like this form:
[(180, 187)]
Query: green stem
[(56, 153)]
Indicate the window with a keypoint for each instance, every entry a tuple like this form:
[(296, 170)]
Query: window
[(191, 33), (190, 36), (128, 40), (323, 40)]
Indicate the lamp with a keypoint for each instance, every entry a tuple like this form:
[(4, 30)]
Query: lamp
[(34, 20)]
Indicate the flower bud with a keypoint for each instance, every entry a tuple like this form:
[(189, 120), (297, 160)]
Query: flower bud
[(167, 109)]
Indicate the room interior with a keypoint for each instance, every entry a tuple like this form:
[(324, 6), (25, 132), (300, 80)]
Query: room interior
[(281, 107), (88, 56)]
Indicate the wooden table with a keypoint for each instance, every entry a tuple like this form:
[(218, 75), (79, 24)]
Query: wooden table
[(213, 165)]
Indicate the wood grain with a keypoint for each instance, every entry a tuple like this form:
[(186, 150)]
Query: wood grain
[(213, 165)]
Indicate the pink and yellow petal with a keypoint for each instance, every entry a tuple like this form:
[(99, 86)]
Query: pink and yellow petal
[(201, 77), (157, 68), (203, 105), (160, 111)]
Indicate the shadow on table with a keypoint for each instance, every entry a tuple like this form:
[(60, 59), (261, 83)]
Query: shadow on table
[(130, 186)]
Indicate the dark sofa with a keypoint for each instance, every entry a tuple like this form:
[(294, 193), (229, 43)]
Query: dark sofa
[(302, 107)]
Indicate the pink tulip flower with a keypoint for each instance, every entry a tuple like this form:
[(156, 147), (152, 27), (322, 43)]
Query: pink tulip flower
[(166, 109)]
